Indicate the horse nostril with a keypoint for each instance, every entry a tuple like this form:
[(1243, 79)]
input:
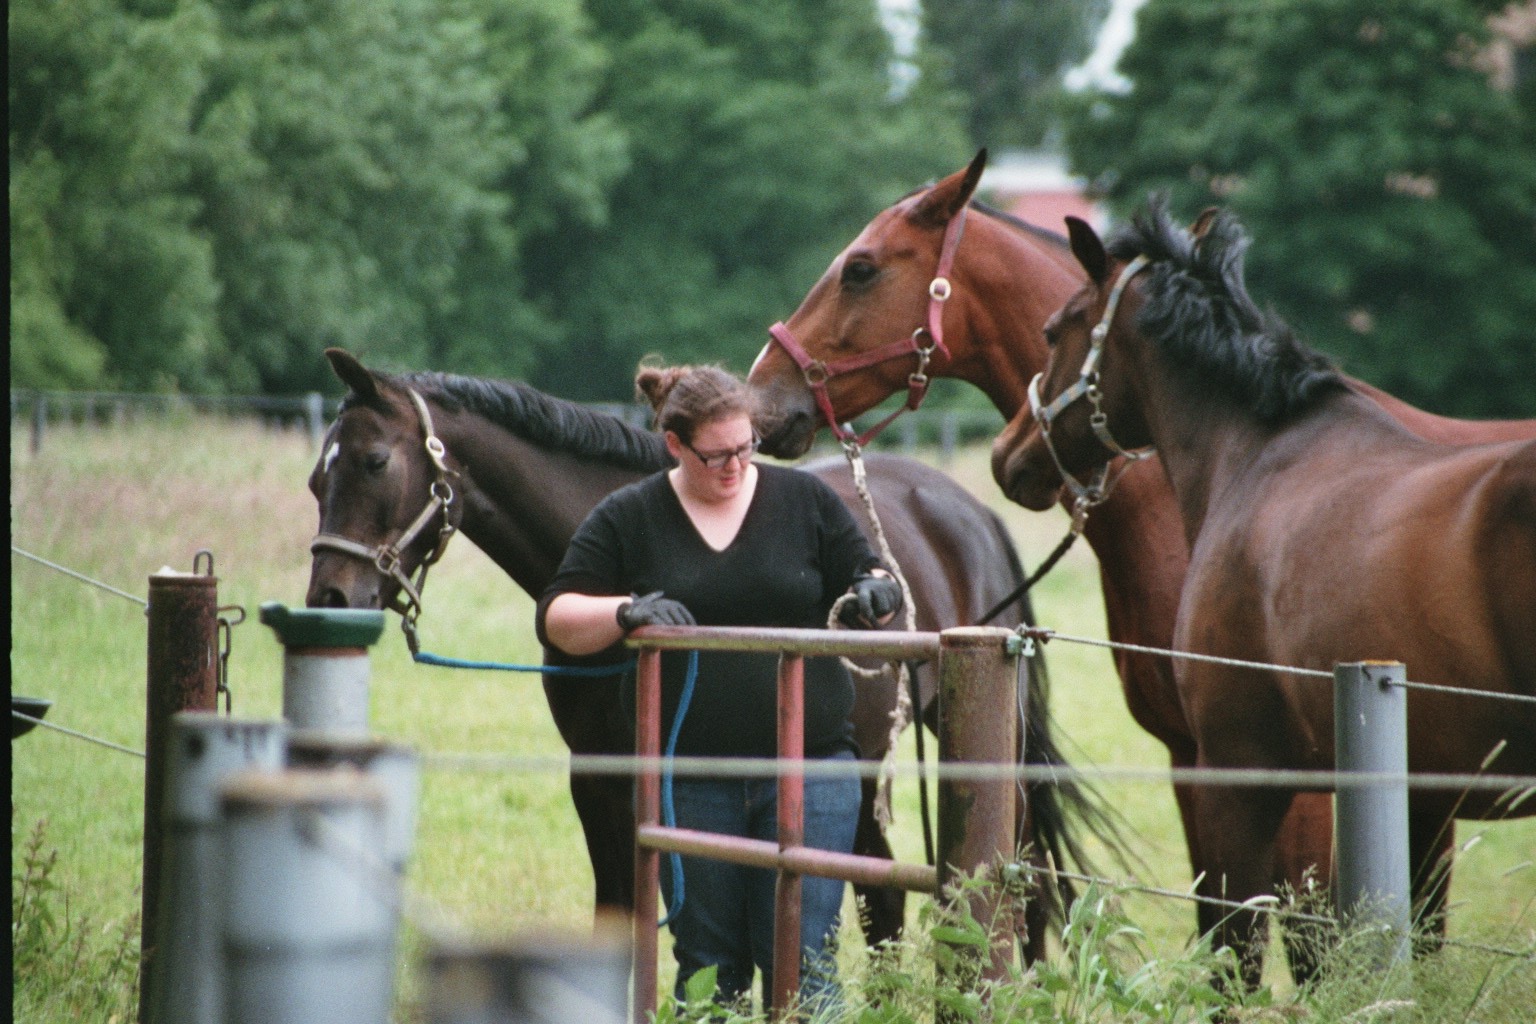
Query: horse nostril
[(331, 597)]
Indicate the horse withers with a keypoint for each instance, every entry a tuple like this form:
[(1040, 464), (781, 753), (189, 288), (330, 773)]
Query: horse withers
[(521, 469), (1320, 531)]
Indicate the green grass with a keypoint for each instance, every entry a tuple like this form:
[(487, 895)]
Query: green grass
[(497, 853)]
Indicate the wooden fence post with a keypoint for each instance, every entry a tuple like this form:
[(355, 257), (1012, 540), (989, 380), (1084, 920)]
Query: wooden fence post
[(1371, 735), (978, 724)]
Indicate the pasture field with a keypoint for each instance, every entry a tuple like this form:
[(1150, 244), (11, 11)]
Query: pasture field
[(499, 852)]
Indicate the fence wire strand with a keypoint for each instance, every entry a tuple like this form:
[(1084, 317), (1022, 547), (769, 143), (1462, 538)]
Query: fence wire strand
[(77, 735), (82, 577)]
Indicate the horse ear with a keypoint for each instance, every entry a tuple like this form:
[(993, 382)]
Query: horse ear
[(1202, 223), (1088, 249), (939, 204), (353, 373)]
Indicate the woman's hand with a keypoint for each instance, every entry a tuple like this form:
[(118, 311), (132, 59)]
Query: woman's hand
[(652, 610), (877, 598)]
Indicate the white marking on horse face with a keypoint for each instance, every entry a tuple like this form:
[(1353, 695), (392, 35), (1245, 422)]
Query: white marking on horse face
[(760, 357), (330, 456)]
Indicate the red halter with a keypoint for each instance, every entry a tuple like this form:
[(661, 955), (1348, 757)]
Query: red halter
[(818, 372)]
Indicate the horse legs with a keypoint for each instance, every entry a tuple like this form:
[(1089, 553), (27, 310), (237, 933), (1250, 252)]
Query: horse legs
[(1238, 828), (882, 910), (1304, 865), (606, 808), (1431, 839)]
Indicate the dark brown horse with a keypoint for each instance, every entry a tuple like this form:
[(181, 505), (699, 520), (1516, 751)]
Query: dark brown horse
[(1321, 531), (860, 325), (524, 468)]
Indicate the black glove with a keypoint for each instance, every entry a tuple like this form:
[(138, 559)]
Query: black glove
[(878, 596), (653, 610)]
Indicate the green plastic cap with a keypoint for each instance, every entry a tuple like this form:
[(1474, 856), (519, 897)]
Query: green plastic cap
[(323, 627)]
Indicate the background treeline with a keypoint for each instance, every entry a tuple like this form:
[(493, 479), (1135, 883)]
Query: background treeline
[(205, 193)]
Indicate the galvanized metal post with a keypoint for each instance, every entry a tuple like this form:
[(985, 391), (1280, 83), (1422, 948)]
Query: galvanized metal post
[(310, 907), (647, 813), (395, 768), (182, 675), (978, 724), (204, 751), (791, 821), (1371, 736), (325, 664), (533, 981), (314, 415)]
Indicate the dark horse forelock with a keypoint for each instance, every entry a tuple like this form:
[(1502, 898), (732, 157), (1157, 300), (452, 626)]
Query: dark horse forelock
[(1197, 307), (545, 420)]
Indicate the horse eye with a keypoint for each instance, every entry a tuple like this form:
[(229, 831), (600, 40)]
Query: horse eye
[(857, 273), (374, 462)]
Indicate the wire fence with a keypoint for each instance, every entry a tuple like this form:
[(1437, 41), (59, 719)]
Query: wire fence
[(1517, 788)]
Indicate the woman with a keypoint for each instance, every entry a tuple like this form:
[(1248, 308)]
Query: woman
[(719, 540)]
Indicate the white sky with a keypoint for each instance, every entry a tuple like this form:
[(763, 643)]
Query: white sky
[(901, 21)]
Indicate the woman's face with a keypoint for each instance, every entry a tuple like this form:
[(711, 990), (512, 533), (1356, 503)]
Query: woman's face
[(715, 462)]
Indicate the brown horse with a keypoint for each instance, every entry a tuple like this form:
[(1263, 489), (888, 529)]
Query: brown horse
[(517, 470), (1321, 531), (1004, 278)]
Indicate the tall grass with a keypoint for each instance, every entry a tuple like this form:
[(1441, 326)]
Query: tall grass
[(501, 853)]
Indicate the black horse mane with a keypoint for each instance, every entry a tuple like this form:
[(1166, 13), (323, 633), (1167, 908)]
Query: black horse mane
[(543, 419), (1197, 308)]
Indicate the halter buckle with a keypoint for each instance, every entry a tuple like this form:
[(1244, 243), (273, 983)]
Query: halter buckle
[(939, 289)]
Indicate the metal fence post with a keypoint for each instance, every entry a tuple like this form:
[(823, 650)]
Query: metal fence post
[(182, 671), (395, 768), (647, 812), (39, 421), (1371, 735), (532, 981), (325, 664), (978, 724), (314, 414), (203, 751), (791, 820), (310, 908)]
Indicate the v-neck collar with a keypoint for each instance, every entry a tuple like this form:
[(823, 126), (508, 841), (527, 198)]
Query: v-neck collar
[(746, 518)]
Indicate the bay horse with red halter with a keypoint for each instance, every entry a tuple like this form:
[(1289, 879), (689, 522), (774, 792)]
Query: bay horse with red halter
[(879, 323), (413, 458), (1320, 529)]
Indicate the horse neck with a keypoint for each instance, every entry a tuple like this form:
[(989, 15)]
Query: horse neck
[(1011, 282), (523, 502)]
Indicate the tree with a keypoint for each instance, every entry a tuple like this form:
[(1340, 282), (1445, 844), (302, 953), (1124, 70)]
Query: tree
[(1007, 57), (1391, 190), (112, 285), (760, 137)]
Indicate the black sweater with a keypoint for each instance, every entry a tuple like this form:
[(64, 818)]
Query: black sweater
[(797, 551)]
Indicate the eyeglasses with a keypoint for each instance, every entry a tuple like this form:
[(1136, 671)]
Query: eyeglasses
[(719, 460)]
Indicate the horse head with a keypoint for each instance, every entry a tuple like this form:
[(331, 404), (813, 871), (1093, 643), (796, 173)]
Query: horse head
[(876, 309), (385, 489), (1079, 416)]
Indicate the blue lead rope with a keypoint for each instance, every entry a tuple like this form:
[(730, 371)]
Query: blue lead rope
[(668, 810)]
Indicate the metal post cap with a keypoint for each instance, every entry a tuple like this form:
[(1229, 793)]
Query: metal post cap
[(323, 627)]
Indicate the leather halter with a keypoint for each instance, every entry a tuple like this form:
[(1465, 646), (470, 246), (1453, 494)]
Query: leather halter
[(817, 372), (387, 557), (1087, 386)]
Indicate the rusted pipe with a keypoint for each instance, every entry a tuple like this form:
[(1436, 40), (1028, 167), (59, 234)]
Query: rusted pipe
[(763, 853), (182, 676), (647, 814), (791, 820), (805, 642)]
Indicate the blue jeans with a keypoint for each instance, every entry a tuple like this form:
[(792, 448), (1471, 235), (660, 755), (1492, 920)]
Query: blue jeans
[(727, 913)]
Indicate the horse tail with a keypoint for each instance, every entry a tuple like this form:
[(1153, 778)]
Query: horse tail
[(1063, 810)]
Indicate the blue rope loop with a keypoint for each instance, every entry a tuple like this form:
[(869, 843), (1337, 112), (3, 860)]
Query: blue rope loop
[(668, 810)]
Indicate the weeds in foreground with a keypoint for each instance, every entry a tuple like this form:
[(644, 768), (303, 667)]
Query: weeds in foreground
[(64, 966), (1105, 972)]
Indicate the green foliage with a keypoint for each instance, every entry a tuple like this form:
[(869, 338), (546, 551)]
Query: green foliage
[(111, 282), (1390, 188), (760, 138), (1007, 58), (73, 971)]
